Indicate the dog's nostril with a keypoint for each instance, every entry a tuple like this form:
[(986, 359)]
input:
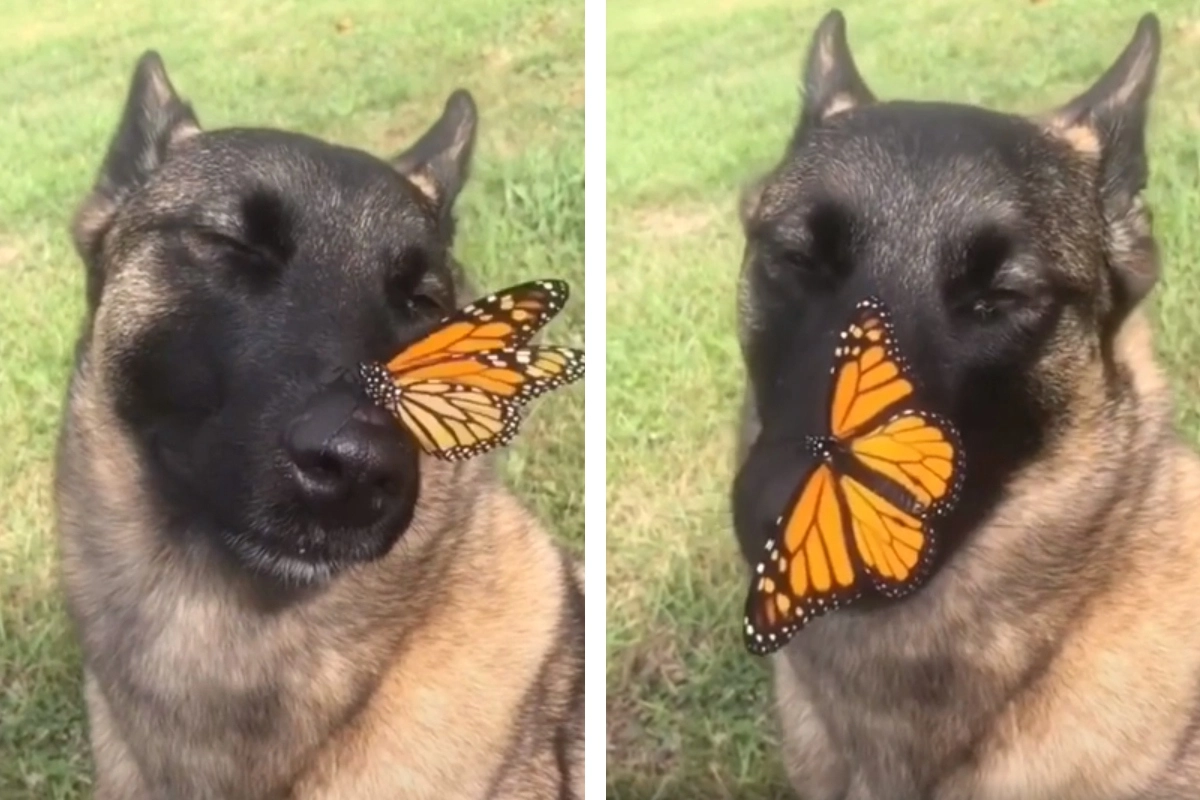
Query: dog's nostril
[(347, 465), (326, 466)]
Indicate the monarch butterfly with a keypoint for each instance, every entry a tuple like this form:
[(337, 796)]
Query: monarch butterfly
[(861, 517), (459, 390)]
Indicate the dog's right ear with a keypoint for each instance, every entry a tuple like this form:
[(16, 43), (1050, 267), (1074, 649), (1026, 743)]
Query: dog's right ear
[(1107, 126), (439, 162), (153, 121), (831, 80)]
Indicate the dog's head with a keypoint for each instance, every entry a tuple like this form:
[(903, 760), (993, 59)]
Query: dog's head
[(234, 279), (1010, 250)]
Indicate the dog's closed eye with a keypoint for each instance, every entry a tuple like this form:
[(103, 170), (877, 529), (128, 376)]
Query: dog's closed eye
[(816, 252), (410, 287), (989, 278), (245, 261)]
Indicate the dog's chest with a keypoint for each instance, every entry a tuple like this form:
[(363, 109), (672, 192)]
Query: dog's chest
[(900, 721), (244, 706)]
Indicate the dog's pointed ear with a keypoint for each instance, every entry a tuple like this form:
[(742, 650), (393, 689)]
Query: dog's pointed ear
[(1107, 124), (831, 80), (440, 160), (154, 120)]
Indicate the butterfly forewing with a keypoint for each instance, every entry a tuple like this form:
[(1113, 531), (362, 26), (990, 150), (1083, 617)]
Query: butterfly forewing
[(869, 374), (506, 319)]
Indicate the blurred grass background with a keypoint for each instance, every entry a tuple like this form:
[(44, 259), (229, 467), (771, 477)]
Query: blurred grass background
[(366, 73), (701, 97)]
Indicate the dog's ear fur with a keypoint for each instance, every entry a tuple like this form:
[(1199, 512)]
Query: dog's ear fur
[(439, 162), (154, 120), (1107, 123), (831, 80)]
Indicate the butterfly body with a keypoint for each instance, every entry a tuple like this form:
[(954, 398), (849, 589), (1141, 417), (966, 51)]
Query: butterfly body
[(460, 389), (861, 517), (842, 460)]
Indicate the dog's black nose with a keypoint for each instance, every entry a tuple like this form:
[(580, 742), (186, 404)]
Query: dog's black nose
[(348, 459)]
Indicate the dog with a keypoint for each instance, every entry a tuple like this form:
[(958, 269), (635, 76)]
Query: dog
[(1054, 652), (276, 595)]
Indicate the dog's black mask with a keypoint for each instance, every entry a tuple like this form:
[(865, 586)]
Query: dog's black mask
[(989, 236), (268, 264)]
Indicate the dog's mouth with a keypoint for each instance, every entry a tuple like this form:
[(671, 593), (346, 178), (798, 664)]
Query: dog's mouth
[(284, 516)]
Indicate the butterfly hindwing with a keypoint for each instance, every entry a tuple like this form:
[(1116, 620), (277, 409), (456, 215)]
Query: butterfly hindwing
[(806, 569), (917, 450), (908, 471)]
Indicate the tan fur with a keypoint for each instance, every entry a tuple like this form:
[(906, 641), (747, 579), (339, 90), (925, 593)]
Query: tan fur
[(839, 103), (1113, 713), (1053, 655), (443, 643), (1082, 138), (449, 668), (1121, 685)]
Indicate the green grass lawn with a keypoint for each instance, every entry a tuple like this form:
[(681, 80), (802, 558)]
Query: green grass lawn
[(368, 73), (700, 97)]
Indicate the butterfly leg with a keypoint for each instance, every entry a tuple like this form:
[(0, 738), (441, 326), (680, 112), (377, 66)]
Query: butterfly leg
[(816, 770)]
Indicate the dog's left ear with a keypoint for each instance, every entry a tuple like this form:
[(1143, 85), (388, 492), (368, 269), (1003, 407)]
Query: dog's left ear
[(1107, 123), (439, 162), (153, 122), (831, 80)]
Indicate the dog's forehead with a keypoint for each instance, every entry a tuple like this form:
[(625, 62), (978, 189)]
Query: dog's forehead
[(315, 182), (900, 158)]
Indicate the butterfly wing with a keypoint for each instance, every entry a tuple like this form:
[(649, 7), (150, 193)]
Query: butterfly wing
[(906, 471), (918, 451), (806, 570), (869, 374), (893, 542), (462, 406), (506, 319)]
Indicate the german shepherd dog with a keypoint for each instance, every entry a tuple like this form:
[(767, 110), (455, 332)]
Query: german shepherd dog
[(1054, 653), (276, 596)]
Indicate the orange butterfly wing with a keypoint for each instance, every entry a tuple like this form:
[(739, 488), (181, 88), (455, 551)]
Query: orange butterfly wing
[(463, 406), (907, 462), (506, 319), (918, 451), (869, 374), (873, 521), (807, 572), (460, 388)]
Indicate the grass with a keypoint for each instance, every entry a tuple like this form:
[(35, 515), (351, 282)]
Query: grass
[(368, 73), (701, 96)]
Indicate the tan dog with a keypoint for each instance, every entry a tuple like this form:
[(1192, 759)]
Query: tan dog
[(276, 596), (1055, 652)]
